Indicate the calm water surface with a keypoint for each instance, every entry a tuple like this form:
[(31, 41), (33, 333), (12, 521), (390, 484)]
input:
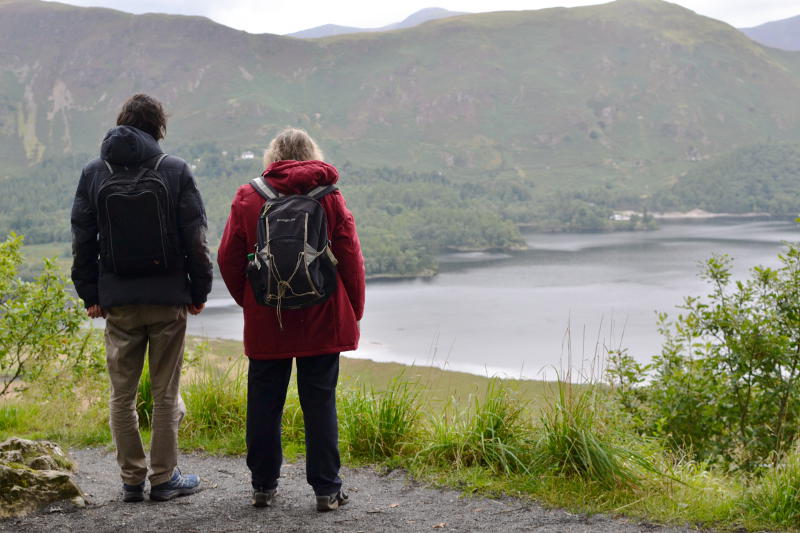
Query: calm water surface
[(527, 314)]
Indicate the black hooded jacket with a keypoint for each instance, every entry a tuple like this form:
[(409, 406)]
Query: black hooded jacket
[(131, 147)]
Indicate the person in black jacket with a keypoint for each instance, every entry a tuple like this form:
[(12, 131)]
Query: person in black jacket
[(145, 312)]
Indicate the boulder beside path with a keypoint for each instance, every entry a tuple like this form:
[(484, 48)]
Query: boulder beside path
[(34, 474)]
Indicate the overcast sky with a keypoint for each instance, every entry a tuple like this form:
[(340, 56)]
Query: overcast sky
[(287, 16)]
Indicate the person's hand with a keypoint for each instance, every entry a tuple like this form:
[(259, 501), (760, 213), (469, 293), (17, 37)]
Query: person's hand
[(95, 311), (195, 309)]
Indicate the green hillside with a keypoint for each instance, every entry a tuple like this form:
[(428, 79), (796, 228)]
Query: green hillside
[(472, 125), (755, 179), (628, 91)]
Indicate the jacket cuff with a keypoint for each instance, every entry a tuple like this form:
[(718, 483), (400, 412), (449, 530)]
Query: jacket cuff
[(90, 297)]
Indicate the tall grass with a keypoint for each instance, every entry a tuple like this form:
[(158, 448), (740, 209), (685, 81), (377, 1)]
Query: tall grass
[(74, 416), (379, 425), (216, 405), (14, 417), (494, 433), (775, 500), (144, 397), (577, 441), (293, 429)]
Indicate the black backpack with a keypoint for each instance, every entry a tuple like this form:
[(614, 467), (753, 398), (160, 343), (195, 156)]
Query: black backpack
[(136, 222), (293, 266)]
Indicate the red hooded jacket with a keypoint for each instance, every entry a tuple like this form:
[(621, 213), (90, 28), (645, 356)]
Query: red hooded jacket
[(320, 329)]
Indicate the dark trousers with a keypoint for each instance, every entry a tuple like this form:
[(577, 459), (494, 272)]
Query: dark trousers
[(267, 382)]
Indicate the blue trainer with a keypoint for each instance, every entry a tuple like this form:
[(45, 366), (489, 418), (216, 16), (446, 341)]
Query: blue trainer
[(179, 485), (133, 493)]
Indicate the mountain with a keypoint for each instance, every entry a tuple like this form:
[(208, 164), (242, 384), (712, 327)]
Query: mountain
[(625, 95), (783, 34), (420, 17), (326, 30)]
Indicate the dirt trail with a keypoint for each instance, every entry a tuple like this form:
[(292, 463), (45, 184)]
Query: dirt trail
[(378, 503)]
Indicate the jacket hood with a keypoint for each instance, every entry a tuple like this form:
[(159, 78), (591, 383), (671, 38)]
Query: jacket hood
[(299, 177), (128, 146)]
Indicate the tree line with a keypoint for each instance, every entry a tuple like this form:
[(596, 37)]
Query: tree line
[(406, 219)]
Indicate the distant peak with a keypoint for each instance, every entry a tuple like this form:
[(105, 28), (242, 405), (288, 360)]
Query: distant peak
[(642, 2), (783, 34), (415, 19), (661, 4), (429, 13)]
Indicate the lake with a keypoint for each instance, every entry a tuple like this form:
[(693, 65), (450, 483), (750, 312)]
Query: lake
[(530, 313)]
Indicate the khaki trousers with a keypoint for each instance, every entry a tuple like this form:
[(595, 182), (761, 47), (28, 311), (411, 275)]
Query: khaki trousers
[(131, 331)]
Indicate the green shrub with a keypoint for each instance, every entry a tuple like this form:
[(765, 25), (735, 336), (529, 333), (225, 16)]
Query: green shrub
[(42, 337), (726, 384)]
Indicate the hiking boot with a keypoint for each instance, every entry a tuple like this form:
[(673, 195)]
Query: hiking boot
[(133, 493), (331, 502), (263, 497), (179, 485)]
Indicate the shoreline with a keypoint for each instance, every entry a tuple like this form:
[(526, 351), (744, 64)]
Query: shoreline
[(230, 349), (698, 214), (486, 249), (425, 274), (430, 273)]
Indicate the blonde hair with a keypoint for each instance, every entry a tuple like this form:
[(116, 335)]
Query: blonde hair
[(292, 143)]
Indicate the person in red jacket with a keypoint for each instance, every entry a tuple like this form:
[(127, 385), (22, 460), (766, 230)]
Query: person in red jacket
[(314, 335)]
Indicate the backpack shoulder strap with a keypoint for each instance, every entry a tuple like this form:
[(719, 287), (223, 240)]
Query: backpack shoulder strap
[(323, 190), (161, 158), (158, 161), (262, 187)]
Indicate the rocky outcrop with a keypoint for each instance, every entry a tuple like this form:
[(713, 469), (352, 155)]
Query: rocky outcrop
[(33, 474)]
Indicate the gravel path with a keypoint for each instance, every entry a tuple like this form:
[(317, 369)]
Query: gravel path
[(377, 503)]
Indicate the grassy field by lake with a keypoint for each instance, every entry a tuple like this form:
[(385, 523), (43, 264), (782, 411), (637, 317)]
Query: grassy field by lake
[(439, 387), (561, 444)]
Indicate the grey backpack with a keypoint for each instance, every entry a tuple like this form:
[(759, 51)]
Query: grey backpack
[(293, 266)]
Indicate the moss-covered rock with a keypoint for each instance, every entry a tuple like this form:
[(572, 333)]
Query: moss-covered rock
[(33, 474)]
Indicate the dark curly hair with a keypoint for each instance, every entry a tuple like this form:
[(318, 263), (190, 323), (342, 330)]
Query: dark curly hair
[(145, 113)]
